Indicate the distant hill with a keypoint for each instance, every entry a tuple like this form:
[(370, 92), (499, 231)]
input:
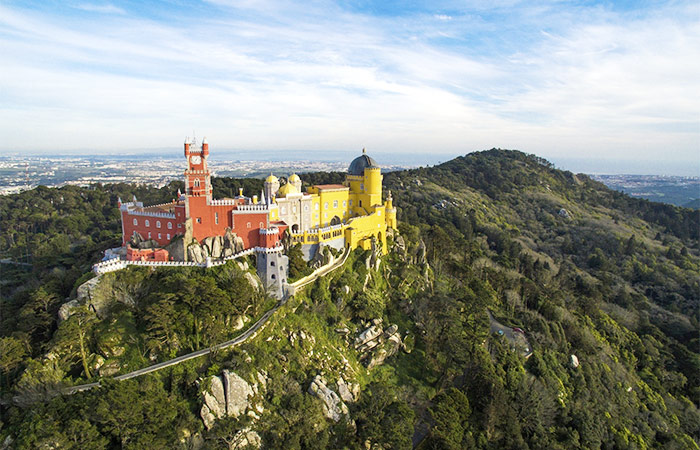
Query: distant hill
[(694, 204), (519, 307)]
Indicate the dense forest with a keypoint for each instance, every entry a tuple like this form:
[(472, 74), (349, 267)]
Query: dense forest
[(536, 309)]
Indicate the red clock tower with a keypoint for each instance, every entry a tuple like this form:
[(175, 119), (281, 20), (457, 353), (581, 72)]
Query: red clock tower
[(197, 175)]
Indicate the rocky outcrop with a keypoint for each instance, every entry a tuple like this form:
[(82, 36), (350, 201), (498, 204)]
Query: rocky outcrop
[(231, 395), (195, 253), (238, 392), (573, 360), (376, 344), (333, 406), (176, 248), (215, 397), (321, 257), (66, 310), (349, 392), (246, 438)]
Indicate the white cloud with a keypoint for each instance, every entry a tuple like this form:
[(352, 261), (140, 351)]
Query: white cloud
[(263, 77), (100, 8)]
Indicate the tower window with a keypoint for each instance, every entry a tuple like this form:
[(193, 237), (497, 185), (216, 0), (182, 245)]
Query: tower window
[(325, 205), (350, 202), (199, 220), (216, 218), (136, 222), (159, 236), (170, 225), (167, 236), (148, 223), (362, 186), (196, 182), (157, 223), (360, 203), (248, 225), (272, 263), (272, 276)]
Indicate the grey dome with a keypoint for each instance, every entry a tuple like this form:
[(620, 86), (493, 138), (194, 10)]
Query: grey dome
[(359, 164)]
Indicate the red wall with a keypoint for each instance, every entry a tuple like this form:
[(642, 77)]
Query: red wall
[(141, 228)]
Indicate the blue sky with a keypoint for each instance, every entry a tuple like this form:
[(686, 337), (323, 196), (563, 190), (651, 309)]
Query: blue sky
[(599, 80)]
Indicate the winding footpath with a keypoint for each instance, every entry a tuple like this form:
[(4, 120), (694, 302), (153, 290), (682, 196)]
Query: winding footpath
[(248, 334)]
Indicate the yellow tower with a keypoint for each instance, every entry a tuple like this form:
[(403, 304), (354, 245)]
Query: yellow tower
[(390, 211), (365, 182)]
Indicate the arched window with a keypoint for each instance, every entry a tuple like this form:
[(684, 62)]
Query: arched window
[(196, 182), (170, 225), (261, 225), (167, 236), (325, 205), (136, 222), (148, 223), (157, 223), (159, 236), (316, 206), (306, 208), (272, 263), (248, 225), (273, 276)]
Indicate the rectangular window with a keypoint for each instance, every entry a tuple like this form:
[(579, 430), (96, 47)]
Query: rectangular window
[(167, 236), (350, 202), (344, 204), (159, 236), (360, 203), (149, 235), (216, 218), (335, 203)]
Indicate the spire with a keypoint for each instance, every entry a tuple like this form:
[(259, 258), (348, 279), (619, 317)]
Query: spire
[(364, 151), (179, 193), (135, 198), (119, 201), (262, 197)]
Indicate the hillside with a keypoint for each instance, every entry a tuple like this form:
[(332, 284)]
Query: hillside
[(520, 306)]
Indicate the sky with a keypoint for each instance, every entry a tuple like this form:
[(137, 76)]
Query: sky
[(601, 82)]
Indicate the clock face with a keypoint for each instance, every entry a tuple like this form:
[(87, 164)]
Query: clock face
[(196, 159)]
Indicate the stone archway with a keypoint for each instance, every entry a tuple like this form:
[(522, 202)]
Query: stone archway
[(335, 220), (295, 228)]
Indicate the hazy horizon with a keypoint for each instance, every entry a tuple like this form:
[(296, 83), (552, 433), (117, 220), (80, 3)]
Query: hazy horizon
[(393, 159)]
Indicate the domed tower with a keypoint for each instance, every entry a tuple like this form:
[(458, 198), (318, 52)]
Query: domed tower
[(295, 181), (272, 185), (365, 181), (286, 190)]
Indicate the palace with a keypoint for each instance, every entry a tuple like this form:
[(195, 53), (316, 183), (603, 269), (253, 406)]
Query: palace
[(346, 215)]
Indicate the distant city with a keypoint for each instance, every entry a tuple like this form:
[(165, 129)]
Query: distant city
[(17, 175)]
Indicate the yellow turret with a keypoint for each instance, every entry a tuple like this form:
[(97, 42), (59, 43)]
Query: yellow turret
[(390, 211)]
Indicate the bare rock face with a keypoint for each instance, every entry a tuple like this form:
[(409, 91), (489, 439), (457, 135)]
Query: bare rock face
[(207, 244), (349, 392), (176, 248), (389, 347), (216, 247), (195, 253), (400, 247), (231, 242), (367, 336), (333, 406), (66, 310), (207, 417), (214, 397), (246, 438), (573, 360), (238, 392)]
